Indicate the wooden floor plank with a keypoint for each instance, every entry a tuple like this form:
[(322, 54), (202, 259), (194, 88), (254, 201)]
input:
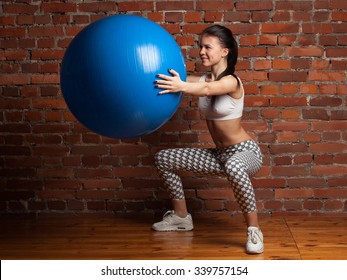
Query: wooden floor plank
[(320, 237), (220, 237)]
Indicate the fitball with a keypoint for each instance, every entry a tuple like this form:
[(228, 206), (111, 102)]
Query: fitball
[(108, 73)]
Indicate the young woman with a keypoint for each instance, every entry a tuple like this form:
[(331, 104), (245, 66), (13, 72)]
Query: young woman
[(236, 155)]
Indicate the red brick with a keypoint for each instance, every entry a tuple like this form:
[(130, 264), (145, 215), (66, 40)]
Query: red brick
[(333, 205), (192, 17), (288, 137), (104, 6), (56, 194), (54, 172), (336, 170), (175, 5), (288, 101), (280, 28), (331, 125), (290, 171), (313, 204), (58, 7), (244, 28), (306, 183), (338, 193), (248, 40), (281, 16), (134, 195), (338, 65), (213, 16), (75, 204), (49, 104), (337, 182), (133, 172), (319, 114), (339, 16), (287, 148), (36, 205), (173, 16), (214, 205), (50, 151), (99, 194), (215, 194), (289, 88), (326, 101), (101, 183), (326, 76), (294, 5), (291, 205), (317, 28), (20, 9), (327, 89), (288, 76), (50, 128), (328, 147), (18, 79), (254, 5), (260, 16), (305, 51), (273, 205), (214, 5), (336, 52), (237, 16), (15, 195), (281, 64), (252, 52), (291, 114), (269, 90), (286, 39)]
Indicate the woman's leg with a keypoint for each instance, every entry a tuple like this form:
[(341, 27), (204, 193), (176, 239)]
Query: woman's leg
[(169, 162), (180, 207), (239, 168), (251, 219)]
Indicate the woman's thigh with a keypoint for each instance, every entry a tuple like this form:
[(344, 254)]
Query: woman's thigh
[(198, 160)]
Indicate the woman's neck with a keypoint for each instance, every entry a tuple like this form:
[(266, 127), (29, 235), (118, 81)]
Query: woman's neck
[(218, 69)]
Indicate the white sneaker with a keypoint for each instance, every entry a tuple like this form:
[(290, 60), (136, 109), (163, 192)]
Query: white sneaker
[(255, 241), (172, 222)]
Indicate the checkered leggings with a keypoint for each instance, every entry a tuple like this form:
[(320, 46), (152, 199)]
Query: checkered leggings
[(238, 163)]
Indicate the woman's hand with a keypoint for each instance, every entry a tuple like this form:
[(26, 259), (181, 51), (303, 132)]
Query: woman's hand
[(170, 83)]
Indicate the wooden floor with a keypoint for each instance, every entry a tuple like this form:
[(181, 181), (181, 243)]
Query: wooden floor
[(112, 237)]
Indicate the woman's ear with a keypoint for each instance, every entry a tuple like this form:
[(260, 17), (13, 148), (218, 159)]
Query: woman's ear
[(225, 52)]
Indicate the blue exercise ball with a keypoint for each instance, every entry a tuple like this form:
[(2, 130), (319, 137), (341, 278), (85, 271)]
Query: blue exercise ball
[(108, 73)]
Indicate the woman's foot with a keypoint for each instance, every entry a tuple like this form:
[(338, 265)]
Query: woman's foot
[(172, 222), (255, 241)]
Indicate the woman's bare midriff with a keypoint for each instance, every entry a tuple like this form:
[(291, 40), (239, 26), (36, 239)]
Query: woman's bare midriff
[(227, 132)]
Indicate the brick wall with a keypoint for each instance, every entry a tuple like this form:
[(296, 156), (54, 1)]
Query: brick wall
[(293, 64)]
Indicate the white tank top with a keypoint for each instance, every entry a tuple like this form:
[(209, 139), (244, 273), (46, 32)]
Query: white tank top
[(224, 107)]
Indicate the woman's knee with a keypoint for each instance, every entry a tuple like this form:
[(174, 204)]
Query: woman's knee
[(235, 166), (159, 159), (163, 159)]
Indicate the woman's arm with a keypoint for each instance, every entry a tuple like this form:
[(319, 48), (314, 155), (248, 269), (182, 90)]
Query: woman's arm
[(173, 83), (193, 79)]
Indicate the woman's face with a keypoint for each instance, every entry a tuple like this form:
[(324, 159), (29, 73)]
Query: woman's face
[(211, 50)]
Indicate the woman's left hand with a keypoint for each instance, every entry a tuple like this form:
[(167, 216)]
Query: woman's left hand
[(170, 83)]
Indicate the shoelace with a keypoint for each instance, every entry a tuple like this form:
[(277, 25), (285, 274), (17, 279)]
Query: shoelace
[(254, 236), (168, 215)]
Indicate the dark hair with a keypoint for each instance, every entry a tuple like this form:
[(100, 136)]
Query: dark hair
[(227, 40)]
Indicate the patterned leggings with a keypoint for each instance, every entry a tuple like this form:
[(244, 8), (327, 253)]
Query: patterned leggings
[(238, 162)]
